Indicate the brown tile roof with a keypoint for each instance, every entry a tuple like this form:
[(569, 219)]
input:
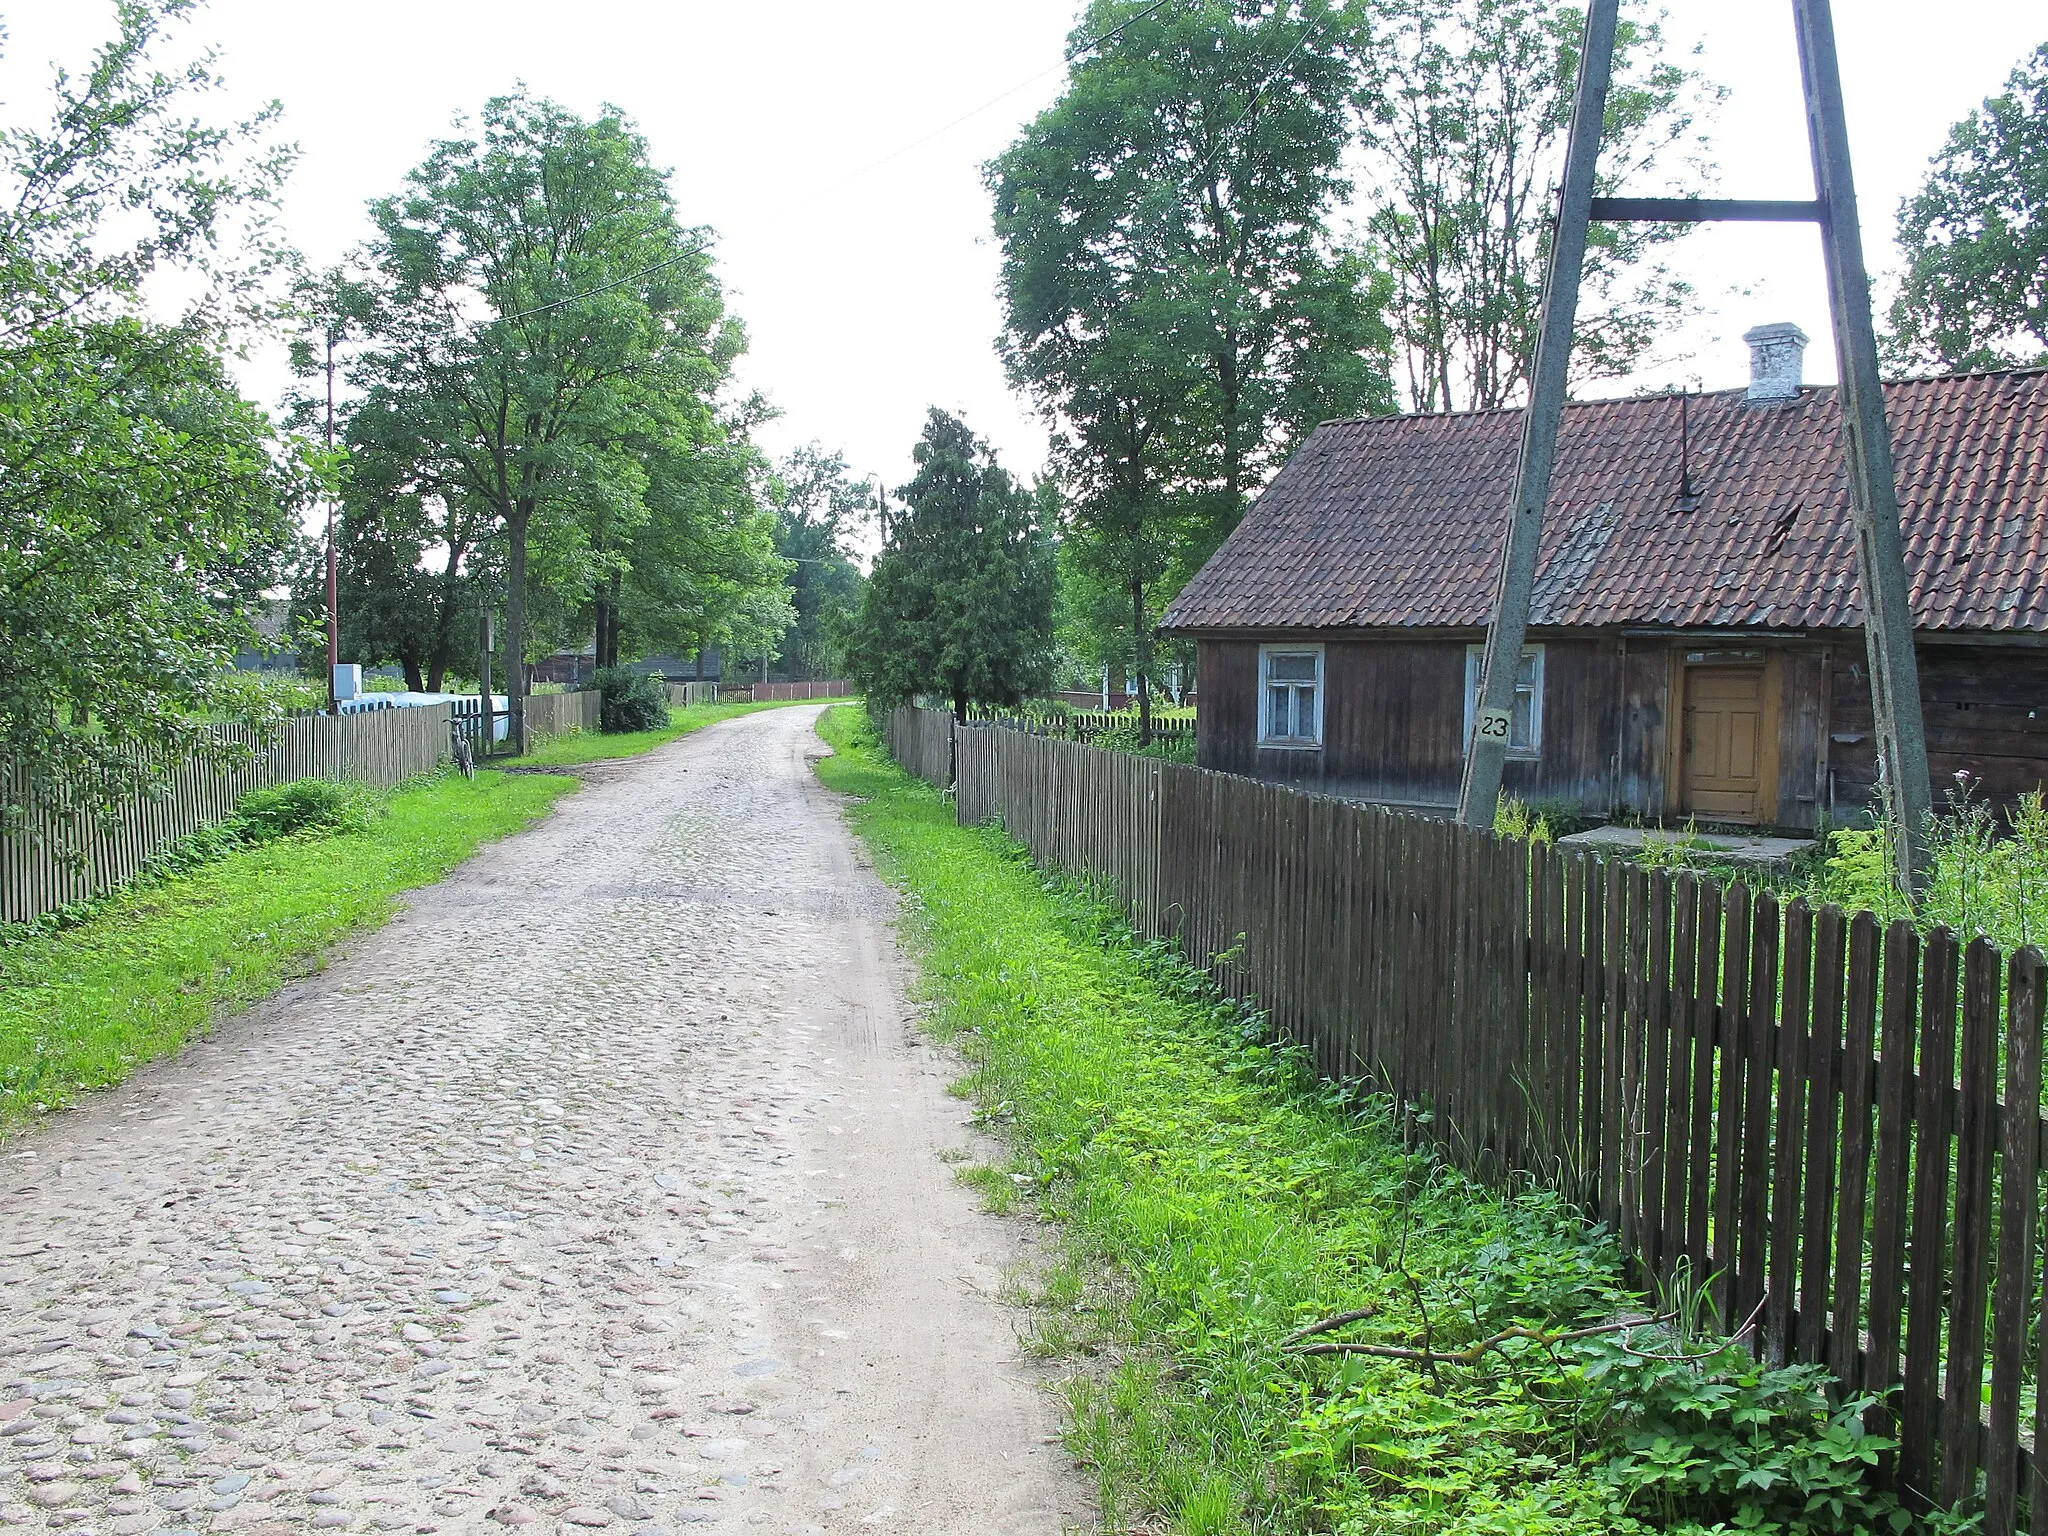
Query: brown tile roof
[(1397, 520)]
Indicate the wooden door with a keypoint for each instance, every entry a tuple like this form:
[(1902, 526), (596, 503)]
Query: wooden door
[(1726, 744)]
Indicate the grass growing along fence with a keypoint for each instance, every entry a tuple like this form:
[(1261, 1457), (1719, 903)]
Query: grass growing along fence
[(1215, 1197), (157, 963)]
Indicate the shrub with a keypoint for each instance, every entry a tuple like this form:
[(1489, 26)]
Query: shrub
[(631, 701), (304, 805)]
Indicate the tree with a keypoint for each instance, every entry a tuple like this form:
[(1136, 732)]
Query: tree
[(544, 332), (1975, 239), (702, 570), (961, 600), (817, 510), (144, 504), (1464, 116), (1173, 296)]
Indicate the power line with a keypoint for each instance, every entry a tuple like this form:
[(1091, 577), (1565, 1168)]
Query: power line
[(1079, 49), (1251, 104), (634, 277)]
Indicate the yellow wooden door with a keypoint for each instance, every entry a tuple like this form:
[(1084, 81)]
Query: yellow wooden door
[(1724, 743)]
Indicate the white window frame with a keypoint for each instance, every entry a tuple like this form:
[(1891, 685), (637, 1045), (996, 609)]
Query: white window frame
[(1530, 751), (1267, 740)]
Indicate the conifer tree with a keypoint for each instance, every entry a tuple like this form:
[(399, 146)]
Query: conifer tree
[(961, 601)]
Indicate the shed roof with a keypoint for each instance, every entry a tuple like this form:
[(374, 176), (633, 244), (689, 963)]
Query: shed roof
[(1397, 521)]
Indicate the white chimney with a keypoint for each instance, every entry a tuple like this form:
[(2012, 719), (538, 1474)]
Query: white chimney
[(1775, 355)]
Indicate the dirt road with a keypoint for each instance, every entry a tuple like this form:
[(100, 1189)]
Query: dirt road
[(602, 1188)]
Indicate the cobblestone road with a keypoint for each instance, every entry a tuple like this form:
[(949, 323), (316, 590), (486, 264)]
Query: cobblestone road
[(599, 1189)]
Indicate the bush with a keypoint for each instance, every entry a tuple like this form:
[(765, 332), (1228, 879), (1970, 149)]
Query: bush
[(631, 701), (304, 805), (1989, 874)]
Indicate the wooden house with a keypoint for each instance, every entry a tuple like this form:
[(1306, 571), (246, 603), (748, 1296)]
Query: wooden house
[(1695, 649)]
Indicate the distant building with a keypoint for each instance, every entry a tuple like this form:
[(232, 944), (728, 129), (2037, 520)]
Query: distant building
[(275, 650)]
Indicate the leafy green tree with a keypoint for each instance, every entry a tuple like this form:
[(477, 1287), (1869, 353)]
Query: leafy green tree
[(702, 570), (1975, 239), (1174, 297), (144, 504), (544, 332), (961, 600), (1464, 116), (818, 510)]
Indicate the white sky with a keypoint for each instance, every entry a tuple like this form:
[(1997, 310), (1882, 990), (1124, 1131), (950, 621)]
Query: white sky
[(861, 258)]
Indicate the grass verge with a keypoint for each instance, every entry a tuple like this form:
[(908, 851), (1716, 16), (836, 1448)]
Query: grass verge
[(1214, 1197), (595, 747), (82, 1007)]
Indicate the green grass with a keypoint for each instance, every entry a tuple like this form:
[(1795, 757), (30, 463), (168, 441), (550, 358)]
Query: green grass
[(153, 966), (1211, 1196), (595, 747)]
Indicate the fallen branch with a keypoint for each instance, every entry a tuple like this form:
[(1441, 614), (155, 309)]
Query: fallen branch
[(1329, 1323), (1430, 1359)]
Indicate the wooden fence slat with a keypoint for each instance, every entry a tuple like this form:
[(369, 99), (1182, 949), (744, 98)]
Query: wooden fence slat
[(1700, 1150), (2019, 1176), (1920, 1398), (1976, 1131), (1788, 1136), (1677, 1087), (1845, 1355), (1886, 1278), (1824, 1082), (1733, 1035)]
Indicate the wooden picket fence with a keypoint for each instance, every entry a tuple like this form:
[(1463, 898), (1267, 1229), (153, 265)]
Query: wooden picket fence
[(1830, 1127), (922, 741), (760, 693), (558, 714), (39, 872)]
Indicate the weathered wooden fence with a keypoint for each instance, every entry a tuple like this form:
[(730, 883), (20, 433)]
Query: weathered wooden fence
[(684, 695), (557, 714), (1831, 1127), (922, 741), (381, 747), (38, 872), (762, 693), (1081, 724)]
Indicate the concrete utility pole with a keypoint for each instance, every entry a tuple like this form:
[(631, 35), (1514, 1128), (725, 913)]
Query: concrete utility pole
[(486, 715), (333, 587), (1873, 494), (1492, 722), (1873, 491)]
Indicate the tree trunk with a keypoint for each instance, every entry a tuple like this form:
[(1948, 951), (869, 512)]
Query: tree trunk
[(960, 704), (409, 660), (611, 609), (449, 604), (515, 628), (1141, 653), (700, 661)]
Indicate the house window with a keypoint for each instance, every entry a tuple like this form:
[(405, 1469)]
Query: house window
[(1291, 696), (1525, 734)]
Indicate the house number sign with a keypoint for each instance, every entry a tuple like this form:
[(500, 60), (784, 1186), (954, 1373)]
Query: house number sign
[(1494, 724)]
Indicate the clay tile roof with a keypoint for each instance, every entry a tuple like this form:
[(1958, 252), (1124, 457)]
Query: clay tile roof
[(1397, 520)]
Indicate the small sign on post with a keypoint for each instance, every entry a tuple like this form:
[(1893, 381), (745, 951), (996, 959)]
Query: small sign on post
[(1495, 725)]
